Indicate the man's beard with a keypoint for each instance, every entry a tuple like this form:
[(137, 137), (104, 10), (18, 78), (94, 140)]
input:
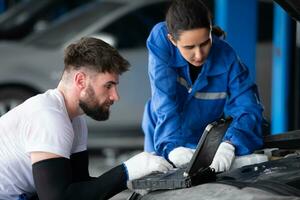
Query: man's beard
[(91, 109)]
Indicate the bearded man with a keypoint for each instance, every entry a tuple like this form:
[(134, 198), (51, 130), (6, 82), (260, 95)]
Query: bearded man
[(43, 141)]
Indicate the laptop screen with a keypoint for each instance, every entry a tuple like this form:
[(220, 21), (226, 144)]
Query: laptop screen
[(208, 145)]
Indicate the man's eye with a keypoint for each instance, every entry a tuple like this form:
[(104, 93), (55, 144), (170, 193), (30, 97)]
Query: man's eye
[(108, 86)]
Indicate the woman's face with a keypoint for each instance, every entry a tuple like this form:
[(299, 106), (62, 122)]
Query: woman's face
[(194, 45)]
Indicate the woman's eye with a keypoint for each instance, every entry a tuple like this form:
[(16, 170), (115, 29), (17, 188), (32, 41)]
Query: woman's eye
[(205, 43), (189, 47)]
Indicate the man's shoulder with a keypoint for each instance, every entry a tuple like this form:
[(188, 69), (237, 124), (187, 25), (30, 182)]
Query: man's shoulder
[(49, 100)]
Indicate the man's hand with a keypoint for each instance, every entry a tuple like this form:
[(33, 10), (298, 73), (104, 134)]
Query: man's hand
[(223, 157), (181, 156), (145, 163)]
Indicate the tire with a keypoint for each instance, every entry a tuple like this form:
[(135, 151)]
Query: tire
[(10, 97)]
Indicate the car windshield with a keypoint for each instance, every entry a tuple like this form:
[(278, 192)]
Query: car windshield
[(68, 27)]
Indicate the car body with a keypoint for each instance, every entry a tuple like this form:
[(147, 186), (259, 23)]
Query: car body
[(27, 16), (35, 64)]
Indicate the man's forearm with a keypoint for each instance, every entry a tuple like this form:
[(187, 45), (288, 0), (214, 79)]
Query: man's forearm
[(53, 180)]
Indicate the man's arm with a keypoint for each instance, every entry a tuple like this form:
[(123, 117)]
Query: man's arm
[(80, 166), (53, 179), (39, 156)]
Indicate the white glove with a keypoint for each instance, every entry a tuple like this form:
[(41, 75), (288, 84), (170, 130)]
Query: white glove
[(145, 163), (223, 157), (181, 156)]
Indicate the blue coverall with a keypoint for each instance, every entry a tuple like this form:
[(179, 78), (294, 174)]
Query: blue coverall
[(178, 111)]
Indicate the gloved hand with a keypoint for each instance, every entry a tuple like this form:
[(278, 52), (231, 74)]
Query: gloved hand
[(223, 157), (145, 163), (181, 156)]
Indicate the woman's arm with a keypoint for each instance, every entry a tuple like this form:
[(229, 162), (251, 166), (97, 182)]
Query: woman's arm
[(163, 80), (244, 106)]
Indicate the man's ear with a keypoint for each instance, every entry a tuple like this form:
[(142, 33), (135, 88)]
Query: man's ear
[(171, 38), (80, 79)]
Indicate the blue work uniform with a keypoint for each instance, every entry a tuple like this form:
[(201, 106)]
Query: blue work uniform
[(179, 110)]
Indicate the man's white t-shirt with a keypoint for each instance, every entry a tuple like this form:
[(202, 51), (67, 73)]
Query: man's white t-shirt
[(39, 124)]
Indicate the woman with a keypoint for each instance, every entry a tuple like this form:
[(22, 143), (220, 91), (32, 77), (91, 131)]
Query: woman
[(196, 78)]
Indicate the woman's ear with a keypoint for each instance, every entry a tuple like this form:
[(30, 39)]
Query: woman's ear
[(171, 38)]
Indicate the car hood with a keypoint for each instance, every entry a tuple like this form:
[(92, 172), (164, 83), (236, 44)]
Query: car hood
[(292, 7)]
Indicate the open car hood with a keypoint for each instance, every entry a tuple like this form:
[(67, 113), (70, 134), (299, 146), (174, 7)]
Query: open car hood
[(292, 7)]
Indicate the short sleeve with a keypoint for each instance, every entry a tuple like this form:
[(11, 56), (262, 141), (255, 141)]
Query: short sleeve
[(49, 131), (80, 134)]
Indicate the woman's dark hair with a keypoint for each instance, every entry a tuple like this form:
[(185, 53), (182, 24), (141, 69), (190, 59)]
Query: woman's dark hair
[(185, 15)]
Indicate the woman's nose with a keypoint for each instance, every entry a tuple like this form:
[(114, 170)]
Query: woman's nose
[(198, 53)]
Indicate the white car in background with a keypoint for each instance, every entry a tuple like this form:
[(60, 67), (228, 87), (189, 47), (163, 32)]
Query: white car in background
[(35, 64)]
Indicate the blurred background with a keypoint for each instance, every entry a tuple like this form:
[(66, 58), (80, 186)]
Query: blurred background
[(33, 34)]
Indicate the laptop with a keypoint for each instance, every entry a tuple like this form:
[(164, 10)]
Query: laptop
[(196, 172)]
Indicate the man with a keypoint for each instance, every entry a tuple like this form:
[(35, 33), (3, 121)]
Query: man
[(44, 140)]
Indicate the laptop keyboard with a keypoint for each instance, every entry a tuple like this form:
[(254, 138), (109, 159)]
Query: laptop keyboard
[(175, 172)]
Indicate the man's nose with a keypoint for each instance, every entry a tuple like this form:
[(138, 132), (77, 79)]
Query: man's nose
[(114, 96)]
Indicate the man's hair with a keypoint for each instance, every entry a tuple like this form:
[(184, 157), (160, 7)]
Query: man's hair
[(94, 54)]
